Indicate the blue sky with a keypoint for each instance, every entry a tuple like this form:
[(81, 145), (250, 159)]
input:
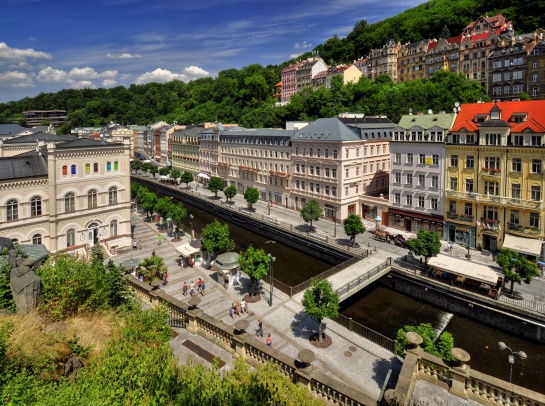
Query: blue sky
[(49, 45)]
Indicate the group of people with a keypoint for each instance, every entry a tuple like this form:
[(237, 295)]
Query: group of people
[(191, 288), (259, 333), (136, 245), (238, 309)]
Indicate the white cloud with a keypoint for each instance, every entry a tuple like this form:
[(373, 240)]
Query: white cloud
[(109, 83), (158, 75), (83, 73), (302, 45), (196, 71), (14, 55), (124, 55), (51, 75), (16, 79), (77, 78), (83, 84), (124, 76)]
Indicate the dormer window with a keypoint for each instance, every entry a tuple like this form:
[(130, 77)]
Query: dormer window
[(519, 117), (480, 118), (495, 113)]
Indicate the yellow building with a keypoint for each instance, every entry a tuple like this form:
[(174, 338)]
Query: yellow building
[(494, 177)]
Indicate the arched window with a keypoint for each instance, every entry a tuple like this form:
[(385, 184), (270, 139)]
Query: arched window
[(37, 239), (108, 166), (12, 208), (92, 199), (36, 206), (87, 169), (113, 228), (73, 169), (116, 165), (69, 202), (112, 195), (64, 170), (95, 167), (70, 238)]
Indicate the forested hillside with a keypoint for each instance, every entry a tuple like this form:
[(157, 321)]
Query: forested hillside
[(244, 96)]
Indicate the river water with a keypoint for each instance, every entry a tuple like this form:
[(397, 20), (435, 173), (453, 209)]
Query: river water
[(386, 311)]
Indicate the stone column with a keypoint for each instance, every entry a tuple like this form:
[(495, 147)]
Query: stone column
[(192, 316)]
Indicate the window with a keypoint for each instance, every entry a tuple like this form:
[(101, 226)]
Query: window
[(347, 153), (116, 165), (421, 201), (302, 185), (311, 187), (334, 173), (64, 170), (492, 139), (73, 169), (327, 190), (492, 162), (453, 183), (346, 191), (87, 169), (435, 159), (112, 195), (518, 140), (534, 220), (515, 217), (452, 206), (517, 89), (409, 200), (311, 170), (455, 138), (469, 185), (297, 185), (490, 213), (357, 171), (95, 167), (69, 203), (409, 179), (302, 168), (311, 153), (346, 172), (409, 158), (318, 171), (516, 165), (397, 198), (92, 199), (434, 203), (515, 190), (397, 157), (335, 154), (113, 228), (35, 206), (108, 166), (327, 172), (491, 188), (70, 238), (536, 192), (435, 181), (333, 191), (12, 208), (421, 180), (397, 177), (470, 161), (536, 165), (454, 160), (37, 239), (470, 138), (421, 159), (536, 140), (318, 188), (535, 78), (468, 209)]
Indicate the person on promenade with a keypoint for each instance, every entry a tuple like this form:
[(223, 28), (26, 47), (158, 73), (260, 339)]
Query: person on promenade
[(134, 244), (259, 331), (159, 239), (232, 311), (185, 288), (139, 245), (165, 278), (226, 281), (269, 340), (153, 253), (199, 283), (243, 306), (202, 288), (191, 289)]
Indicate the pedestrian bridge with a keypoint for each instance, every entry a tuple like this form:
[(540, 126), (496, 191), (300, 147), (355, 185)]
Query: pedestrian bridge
[(367, 273)]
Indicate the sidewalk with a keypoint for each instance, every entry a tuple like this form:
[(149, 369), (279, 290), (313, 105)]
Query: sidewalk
[(350, 359)]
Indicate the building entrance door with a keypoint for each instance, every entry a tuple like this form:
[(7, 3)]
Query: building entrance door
[(92, 233), (408, 225)]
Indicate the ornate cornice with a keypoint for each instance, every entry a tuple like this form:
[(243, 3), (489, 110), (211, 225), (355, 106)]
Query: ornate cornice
[(22, 184)]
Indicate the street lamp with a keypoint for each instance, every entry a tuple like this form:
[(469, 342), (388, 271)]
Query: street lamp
[(271, 260), (335, 224), (511, 358), (269, 204), (191, 225)]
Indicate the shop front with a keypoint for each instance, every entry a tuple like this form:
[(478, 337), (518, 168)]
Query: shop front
[(460, 234), (370, 211), (414, 222)]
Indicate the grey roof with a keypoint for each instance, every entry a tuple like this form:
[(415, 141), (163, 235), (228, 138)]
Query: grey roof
[(39, 136), (87, 142), (189, 131), (326, 129), (26, 166), (495, 123), (258, 132), (356, 122), (10, 129), (35, 252)]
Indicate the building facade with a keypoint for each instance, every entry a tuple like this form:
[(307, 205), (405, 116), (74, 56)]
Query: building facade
[(65, 193), (494, 176), (383, 61)]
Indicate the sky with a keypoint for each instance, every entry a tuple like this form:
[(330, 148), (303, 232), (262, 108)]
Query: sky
[(49, 45)]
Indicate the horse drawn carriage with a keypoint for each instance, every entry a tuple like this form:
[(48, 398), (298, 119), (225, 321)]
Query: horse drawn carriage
[(387, 237)]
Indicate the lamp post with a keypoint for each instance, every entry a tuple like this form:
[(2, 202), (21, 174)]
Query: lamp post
[(191, 225), (335, 224), (271, 260), (511, 358), (269, 204)]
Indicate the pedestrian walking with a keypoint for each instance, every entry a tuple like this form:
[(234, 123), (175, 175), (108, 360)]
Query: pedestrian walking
[(139, 245), (134, 244), (191, 288), (237, 309), (226, 281), (165, 278), (269, 340), (450, 246), (185, 288), (202, 288), (199, 283), (259, 331), (153, 253), (159, 239), (243, 305), (192, 262), (232, 311)]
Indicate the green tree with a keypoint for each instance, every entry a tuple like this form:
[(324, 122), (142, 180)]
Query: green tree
[(426, 244), (215, 184), (353, 225), (141, 194), (320, 301), (215, 237), (230, 192), (145, 167), (440, 347), (516, 267), (153, 170), (254, 263), (153, 267), (149, 200), (136, 164), (163, 207), (187, 178), (164, 171), (6, 297), (251, 195), (177, 213), (311, 211), (175, 175)]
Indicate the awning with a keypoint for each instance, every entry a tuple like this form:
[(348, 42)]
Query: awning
[(187, 250), (203, 175), (463, 267), (164, 177), (523, 245)]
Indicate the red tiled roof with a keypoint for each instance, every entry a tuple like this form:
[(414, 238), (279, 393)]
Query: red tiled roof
[(452, 40), (534, 109)]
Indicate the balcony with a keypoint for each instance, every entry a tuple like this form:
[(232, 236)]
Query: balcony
[(227, 165), (529, 231), (279, 174), (491, 171), (508, 201), (248, 168), (461, 217)]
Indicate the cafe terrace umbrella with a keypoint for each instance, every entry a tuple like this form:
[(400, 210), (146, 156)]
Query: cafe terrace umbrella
[(131, 263), (203, 175)]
